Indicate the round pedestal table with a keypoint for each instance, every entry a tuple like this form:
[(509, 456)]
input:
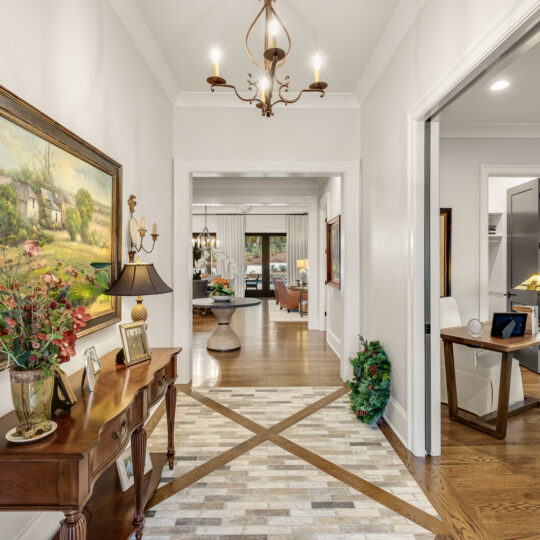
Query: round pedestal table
[(224, 339)]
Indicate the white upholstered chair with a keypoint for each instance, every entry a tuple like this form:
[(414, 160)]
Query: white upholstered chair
[(477, 370)]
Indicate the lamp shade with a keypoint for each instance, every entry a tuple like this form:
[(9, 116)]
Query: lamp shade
[(302, 264), (138, 279), (532, 283)]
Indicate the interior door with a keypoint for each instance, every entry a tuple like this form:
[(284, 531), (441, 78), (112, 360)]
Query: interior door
[(522, 253)]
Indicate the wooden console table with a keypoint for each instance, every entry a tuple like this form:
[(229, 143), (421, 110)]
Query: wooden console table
[(506, 347), (73, 470)]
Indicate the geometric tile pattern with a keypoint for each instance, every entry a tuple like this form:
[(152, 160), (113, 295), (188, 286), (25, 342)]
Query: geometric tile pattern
[(334, 433), (260, 486), (269, 493)]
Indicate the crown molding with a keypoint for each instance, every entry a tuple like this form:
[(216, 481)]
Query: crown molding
[(228, 99), (398, 26), (136, 26), (464, 130)]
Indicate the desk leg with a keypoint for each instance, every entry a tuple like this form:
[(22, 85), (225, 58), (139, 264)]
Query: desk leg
[(170, 402), (73, 527), (450, 379), (138, 454), (504, 396)]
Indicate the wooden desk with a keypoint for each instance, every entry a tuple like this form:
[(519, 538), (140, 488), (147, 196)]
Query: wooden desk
[(60, 472), (485, 423)]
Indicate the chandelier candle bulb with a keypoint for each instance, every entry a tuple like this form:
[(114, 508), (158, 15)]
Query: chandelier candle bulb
[(215, 59), (273, 29), (143, 223), (317, 67), (154, 228)]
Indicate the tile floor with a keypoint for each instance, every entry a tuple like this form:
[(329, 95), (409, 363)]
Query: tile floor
[(268, 493)]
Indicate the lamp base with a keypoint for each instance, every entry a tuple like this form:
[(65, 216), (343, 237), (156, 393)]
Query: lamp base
[(139, 312)]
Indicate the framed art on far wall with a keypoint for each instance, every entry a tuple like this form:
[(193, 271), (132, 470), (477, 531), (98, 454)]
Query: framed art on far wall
[(66, 194), (445, 231), (333, 252)]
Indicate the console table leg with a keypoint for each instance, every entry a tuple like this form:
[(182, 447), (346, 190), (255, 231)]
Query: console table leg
[(138, 454), (170, 401), (73, 527)]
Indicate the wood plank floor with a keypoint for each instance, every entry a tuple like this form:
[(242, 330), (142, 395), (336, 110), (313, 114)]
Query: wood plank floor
[(272, 353), (481, 487)]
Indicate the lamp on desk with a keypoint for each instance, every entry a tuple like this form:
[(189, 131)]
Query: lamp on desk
[(532, 283), (302, 267), (138, 279)]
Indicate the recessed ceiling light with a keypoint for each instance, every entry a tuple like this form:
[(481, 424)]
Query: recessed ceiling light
[(499, 85)]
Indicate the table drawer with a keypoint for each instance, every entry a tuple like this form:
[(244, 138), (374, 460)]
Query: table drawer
[(158, 386)]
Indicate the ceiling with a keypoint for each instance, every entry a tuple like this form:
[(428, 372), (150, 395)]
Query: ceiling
[(344, 33), (519, 103)]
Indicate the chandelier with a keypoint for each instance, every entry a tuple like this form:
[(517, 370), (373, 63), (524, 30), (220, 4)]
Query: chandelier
[(268, 83), (205, 240)]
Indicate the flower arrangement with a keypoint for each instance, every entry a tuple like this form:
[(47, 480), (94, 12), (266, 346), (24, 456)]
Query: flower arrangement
[(370, 387), (221, 287), (38, 324)]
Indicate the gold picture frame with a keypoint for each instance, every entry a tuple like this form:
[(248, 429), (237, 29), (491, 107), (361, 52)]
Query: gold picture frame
[(134, 342)]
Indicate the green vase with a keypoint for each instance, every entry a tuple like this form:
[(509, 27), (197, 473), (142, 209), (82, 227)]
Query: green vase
[(31, 392)]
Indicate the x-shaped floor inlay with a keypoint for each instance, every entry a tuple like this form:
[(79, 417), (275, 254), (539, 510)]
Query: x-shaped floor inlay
[(273, 435)]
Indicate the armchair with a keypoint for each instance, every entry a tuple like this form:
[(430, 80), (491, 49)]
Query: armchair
[(477, 370)]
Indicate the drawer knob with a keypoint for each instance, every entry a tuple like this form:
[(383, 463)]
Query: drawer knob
[(122, 432), (161, 381)]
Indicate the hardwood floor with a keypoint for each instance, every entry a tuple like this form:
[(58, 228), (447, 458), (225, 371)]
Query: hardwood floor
[(483, 487), (272, 354)]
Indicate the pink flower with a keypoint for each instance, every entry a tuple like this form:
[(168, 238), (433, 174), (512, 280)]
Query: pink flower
[(11, 303), (11, 322), (35, 345), (50, 278), (79, 317), (32, 248), (66, 345)]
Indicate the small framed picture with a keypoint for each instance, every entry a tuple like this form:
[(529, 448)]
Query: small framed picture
[(89, 373), (124, 465), (134, 342), (93, 359)]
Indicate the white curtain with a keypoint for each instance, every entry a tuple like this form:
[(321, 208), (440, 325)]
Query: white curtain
[(231, 233), (297, 245)]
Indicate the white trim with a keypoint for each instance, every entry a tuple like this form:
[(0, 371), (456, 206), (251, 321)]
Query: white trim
[(396, 418), (485, 172), (334, 343), (464, 130), (349, 170), (129, 13), (223, 98), (511, 24), (396, 29)]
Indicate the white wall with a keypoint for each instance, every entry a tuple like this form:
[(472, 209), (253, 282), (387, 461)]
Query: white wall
[(497, 208), (75, 62), (437, 40), (331, 193), (460, 161), (236, 133)]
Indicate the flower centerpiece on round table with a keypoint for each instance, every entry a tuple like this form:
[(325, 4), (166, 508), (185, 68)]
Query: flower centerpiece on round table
[(38, 328), (222, 290)]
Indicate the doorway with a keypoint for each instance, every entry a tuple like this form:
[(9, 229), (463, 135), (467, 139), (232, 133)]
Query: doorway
[(265, 261)]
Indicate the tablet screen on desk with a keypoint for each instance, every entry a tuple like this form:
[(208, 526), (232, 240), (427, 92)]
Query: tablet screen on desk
[(507, 325)]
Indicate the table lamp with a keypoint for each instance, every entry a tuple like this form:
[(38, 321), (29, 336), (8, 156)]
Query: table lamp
[(532, 283), (138, 279), (302, 267)]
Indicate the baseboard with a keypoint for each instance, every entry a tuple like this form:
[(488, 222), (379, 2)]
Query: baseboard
[(334, 342), (396, 417), (43, 525)]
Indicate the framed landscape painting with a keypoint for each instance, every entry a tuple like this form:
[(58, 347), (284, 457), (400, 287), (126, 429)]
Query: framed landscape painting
[(333, 252), (61, 191)]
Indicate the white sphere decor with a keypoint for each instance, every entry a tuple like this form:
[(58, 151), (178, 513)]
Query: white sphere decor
[(475, 327)]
